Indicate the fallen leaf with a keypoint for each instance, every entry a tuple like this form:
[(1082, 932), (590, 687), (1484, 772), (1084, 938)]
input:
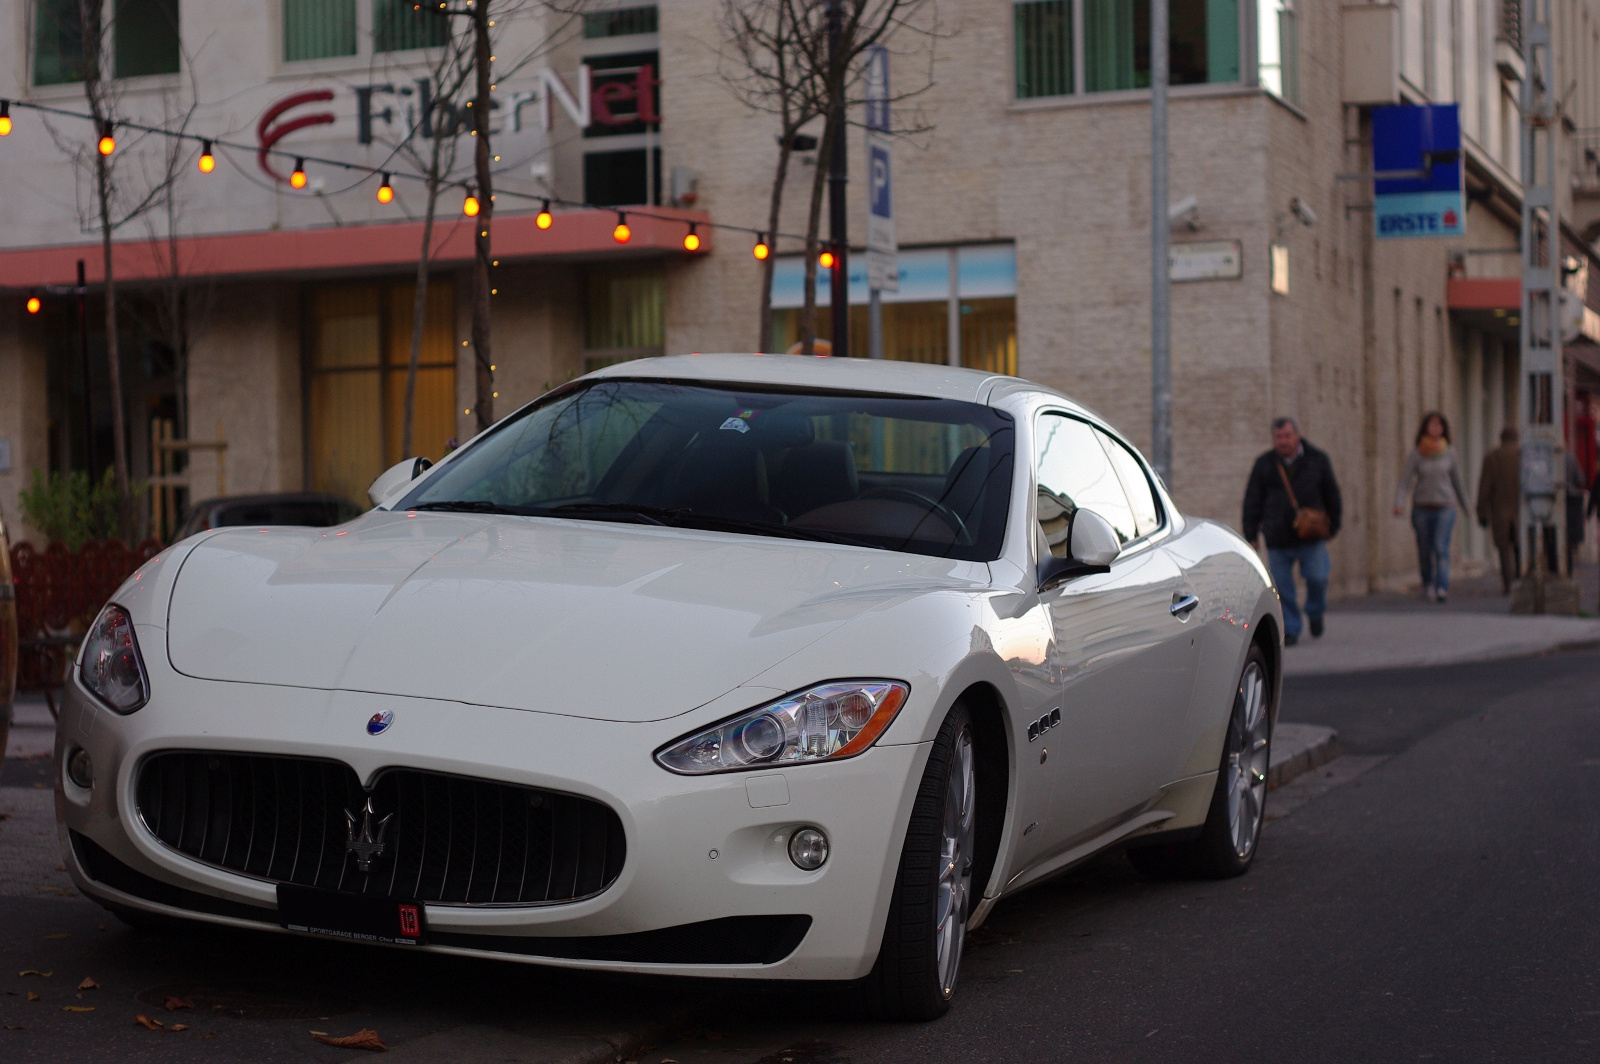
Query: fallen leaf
[(148, 1024), (178, 1027), (174, 1003), (34, 971), (88, 984), (63, 934), (319, 1034), (366, 1038), (32, 996), (16, 1027), (77, 1008)]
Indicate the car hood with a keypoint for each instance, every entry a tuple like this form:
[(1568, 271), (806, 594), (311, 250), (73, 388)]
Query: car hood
[(582, 618)]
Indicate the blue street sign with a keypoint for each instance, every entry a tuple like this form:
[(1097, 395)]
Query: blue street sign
[(1427, 140), (881, 206), (876, 76)]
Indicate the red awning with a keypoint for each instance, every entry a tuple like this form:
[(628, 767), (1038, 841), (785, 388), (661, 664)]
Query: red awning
[(584, 234), (1484, 293)]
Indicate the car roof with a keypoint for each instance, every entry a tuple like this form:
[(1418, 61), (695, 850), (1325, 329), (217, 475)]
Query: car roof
[(851, 374)]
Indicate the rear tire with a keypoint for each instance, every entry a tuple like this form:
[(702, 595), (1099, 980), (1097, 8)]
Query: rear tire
[(920, 958), (1228, 841)]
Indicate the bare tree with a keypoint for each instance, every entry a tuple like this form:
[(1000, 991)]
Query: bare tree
[(764, 67), (451, 71), (778, 58), (113, 209)]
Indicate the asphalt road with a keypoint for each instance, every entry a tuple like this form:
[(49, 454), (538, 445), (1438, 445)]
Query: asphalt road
[(1435, 897)]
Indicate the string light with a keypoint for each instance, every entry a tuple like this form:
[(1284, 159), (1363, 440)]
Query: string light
[(622, 234), (5, 118), (208, 162), (691, 241), (108, 143), (298, 178), (34, 304), (826, 260), (469, 206), (544, 220), (761, 251), (385, 191)]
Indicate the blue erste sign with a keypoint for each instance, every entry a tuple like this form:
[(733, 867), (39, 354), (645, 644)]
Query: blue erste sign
[(1426, 140)]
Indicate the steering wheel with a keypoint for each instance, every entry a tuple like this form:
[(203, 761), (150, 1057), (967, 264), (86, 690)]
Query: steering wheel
[(916, 498)]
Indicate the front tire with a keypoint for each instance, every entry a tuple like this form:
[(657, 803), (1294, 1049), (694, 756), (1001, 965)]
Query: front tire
[(920, 959), (1227, 843)]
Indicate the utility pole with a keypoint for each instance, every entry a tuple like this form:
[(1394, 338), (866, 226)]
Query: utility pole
[(838, 178), (1543, 398), (1160, 279)]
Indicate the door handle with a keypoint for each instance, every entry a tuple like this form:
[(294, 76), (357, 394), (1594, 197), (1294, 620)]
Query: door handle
[(1182, 605)]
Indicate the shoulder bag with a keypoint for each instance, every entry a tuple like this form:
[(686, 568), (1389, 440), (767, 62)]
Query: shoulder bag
[(1309, 524)]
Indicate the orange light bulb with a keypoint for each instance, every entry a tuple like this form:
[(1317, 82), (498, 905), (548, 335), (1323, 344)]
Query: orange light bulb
[(761, 251), (108, 144), (207, 163), (5, 125), (826, 260), (544, 220), (385, 191), (469, 206), (34, 304), (298, 178), (691, 242), (622, 234)]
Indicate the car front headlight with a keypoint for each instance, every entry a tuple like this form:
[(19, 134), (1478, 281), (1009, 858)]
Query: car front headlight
[(824, 723), (112, 669)]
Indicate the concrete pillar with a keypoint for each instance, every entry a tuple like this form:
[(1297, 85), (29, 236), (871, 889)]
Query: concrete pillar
[(1475, 442)]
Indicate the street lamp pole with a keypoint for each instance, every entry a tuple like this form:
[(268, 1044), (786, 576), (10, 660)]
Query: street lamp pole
[(1160, 282), (838, 178)]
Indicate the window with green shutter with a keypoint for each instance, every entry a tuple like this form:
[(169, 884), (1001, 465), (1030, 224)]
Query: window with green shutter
[(399, 25), (1044, 47), (57, 42), (318, 29)]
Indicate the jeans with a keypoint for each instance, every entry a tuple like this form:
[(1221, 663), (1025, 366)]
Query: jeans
[(1433, 528), (1314, 568)]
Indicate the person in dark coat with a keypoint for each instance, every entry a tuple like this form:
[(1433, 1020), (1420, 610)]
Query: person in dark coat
[(1269, 514)]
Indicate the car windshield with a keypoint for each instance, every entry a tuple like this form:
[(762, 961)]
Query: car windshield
[(923, 475)]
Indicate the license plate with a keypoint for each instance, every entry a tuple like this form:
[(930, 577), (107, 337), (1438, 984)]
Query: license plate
[(353, 916)]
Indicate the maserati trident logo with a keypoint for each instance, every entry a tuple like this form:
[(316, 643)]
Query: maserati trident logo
[(364, 837), (380, 722)]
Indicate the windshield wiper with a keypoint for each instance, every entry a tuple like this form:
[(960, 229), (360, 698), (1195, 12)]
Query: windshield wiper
[(469, 506), (626, 511)]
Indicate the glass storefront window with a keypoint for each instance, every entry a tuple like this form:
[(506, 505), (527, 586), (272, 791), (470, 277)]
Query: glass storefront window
[(57, 42), (923, 319), (145, 37), (624, 317)]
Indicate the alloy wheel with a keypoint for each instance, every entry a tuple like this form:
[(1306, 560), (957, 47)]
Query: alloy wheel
[(955, 862), (1248, 733)]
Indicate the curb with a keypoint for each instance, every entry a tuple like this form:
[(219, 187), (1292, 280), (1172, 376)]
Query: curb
[(1306, 746)]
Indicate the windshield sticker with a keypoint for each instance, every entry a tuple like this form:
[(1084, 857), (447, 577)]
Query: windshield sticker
[(737, 424)]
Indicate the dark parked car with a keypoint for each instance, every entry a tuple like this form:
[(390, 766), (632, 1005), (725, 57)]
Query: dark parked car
[(285, 508)]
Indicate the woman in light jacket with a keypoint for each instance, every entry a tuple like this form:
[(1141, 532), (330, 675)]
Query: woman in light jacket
[(1433, 480)]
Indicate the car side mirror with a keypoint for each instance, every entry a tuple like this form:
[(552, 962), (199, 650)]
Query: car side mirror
[(397, 476), (1092, 545)]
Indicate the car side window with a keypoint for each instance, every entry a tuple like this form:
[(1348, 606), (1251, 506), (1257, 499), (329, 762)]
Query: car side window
[(1073, 471), (1135, 483)]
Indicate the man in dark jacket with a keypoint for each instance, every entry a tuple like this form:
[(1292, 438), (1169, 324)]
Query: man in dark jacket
[(1270, 514)]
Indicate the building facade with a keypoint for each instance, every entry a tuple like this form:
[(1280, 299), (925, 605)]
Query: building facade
[(1021, 202)]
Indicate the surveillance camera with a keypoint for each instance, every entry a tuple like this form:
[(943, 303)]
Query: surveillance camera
[(1184, 214), (1302, 210), (540, 171)]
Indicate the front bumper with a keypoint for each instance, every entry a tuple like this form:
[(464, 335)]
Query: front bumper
[(699, 851)]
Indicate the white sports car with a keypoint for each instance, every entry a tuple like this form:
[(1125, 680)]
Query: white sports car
[(758, 666)]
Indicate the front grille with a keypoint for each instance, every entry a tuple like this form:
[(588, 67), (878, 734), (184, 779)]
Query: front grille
[(450, 839)]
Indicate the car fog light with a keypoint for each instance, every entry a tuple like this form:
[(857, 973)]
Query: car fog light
[(808, 849), (80, 769)]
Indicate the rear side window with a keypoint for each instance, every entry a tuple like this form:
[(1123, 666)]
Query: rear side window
[(1135, 485)]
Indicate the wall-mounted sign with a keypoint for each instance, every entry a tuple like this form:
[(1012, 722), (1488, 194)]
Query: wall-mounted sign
[(883, 264), (1209, 260), (1425, 141)]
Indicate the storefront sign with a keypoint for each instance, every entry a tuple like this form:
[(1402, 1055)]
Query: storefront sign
[(1425, 141), (1210, 260)]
